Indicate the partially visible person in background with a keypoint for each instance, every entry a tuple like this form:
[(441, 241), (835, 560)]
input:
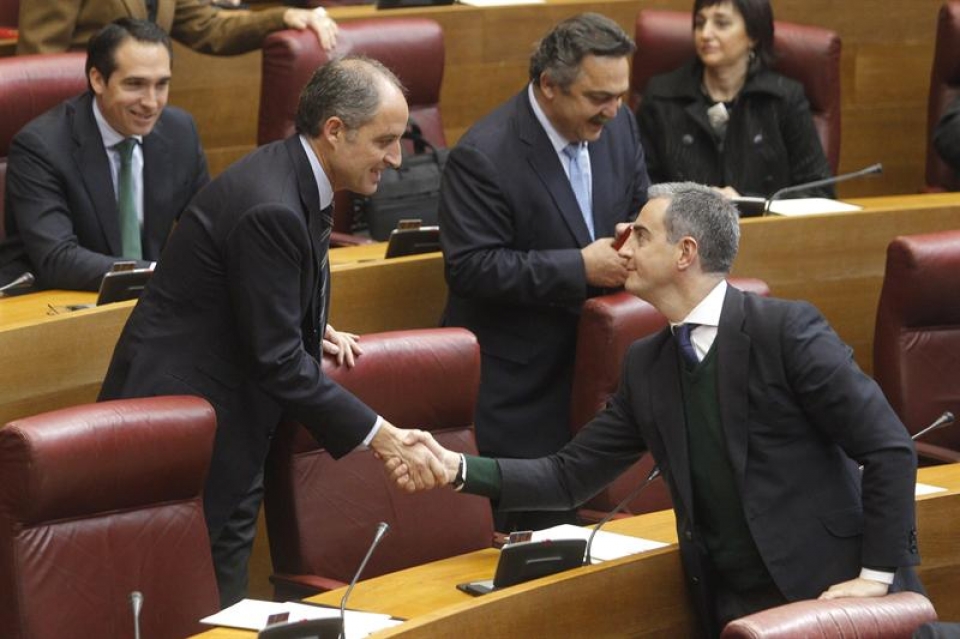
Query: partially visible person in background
[(946, 137), (48, 27), (725, 119)]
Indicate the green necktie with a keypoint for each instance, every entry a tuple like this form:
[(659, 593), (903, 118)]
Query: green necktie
[(126, 203)]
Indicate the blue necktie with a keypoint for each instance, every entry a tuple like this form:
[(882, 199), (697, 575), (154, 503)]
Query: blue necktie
[(580, 181), (682, 333)]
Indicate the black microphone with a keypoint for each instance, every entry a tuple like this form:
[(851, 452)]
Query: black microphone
[(944, 420), (870, 170), (382, 529), (136, 602), (636, 493), (24, 281)]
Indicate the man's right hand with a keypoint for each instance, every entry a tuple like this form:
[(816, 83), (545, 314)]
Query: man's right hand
[(400, 472), (604, 267), (399, 448)]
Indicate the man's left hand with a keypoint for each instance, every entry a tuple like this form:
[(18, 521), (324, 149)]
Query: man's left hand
[(858, 587), (345, 346), (317, 21)]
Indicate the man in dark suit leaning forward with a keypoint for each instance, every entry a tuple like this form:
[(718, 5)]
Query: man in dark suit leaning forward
[(758, 418), (103, 176), (236, 312), (531, 196)]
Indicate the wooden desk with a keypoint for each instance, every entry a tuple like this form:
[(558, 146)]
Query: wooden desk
[(639, 596)]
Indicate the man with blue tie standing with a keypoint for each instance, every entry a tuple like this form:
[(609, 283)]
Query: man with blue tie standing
[(103, 176), (530, 200)]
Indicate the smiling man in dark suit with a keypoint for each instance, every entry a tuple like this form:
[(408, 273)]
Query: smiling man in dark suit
[(68, 195), (791, 475), (237, 310), (530, 200)]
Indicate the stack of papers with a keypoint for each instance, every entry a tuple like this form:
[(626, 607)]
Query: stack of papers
[(810, 206), (606, 545), (252, 614), (927, 489)]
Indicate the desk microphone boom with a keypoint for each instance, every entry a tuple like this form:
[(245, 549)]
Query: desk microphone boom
[(633, 495), (870, 170), (944, 420)]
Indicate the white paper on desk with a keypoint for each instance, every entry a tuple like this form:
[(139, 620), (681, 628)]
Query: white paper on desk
[(251, 614), (810, 206), (499, 3), (927, 489), (606, 545)]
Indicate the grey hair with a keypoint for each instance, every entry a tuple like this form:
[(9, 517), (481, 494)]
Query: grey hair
[(703, 214), (562, 50), (349, 88)]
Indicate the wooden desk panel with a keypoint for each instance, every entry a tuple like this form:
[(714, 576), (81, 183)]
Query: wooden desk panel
[(638, 596)]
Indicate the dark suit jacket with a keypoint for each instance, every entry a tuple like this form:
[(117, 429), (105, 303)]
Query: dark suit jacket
[(511, 232), (798, 416), (232, 315), (771, 141), (48, 27), (60, 200)]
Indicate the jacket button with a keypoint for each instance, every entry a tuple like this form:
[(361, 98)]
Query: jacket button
[(695, 580), (688, 535)]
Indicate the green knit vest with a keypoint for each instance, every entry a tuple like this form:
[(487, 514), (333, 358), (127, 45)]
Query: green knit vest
[(719, 511)]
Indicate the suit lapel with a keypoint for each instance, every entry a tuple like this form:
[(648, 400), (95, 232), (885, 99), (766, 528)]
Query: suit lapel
[(94, 167), (310, 204), (546, 165), (668, 415), (733, 354), (157, 190)]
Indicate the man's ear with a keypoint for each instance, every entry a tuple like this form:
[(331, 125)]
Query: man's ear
[(97, 81), (333, 130), (689, 252), (547, 86)]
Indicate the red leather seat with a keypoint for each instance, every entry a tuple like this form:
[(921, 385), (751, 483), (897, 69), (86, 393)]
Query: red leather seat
[(809, 55), (895, 616), (29, 86), (608, 325), (410, 47), (916, 344), (944, 89), (321, 513), (98, 501)]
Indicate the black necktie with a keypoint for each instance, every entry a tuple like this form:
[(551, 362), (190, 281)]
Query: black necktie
[(320, 229), (682, 333), (151, 10)]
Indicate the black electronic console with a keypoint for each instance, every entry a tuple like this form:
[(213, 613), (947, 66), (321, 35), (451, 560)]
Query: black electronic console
[(411, 238), (530, 560)]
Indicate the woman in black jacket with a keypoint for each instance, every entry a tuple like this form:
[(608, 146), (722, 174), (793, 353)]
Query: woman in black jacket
[(726, 119)]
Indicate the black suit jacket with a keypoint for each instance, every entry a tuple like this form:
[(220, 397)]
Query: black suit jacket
[(798, 416), (232, 315), (61, 206), (511, 232)]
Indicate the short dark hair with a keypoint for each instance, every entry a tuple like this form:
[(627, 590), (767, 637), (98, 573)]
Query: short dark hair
[(758, 17), (102, 47), (561, 51), (347, 88), (706, 216)]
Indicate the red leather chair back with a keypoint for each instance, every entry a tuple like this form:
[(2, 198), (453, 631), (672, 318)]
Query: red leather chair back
[(98, 501), (29, 86), (608, 325), (809, 55), (410, 47), (322, 513), (9, 13), (916, 345), (944, 88), (895, 616)]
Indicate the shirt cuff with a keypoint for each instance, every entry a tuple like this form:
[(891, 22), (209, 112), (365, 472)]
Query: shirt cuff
[(483, 477), (882, 576), (373, 433)]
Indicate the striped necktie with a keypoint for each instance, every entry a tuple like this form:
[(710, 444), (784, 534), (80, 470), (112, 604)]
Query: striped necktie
[(320, 228)]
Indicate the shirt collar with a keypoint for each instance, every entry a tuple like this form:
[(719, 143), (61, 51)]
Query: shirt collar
[(558, 141), (707, 312), (323, 182), (110, 136)]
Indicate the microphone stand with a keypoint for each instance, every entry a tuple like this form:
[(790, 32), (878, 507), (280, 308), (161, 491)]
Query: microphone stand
[(870, 170), (944, 420), (633, 495), (136, 602), (382, 529)]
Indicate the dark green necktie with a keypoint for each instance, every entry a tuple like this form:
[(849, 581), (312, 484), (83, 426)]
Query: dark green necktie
[(127, 204)]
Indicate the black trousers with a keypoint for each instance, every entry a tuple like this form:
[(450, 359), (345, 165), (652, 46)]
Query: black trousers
[(232, 547)]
